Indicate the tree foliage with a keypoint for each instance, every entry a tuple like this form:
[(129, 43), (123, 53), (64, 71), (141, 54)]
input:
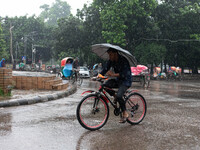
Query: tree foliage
[(3, 52), (179, 23), (28, 32), (59, 9), (150, 53), (153, 32)]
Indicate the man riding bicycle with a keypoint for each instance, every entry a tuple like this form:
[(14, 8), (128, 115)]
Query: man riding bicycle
[(76, 66), (123, 79)]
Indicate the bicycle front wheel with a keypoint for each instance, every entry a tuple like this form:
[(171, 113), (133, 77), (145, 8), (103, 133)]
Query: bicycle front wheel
[(136, 107), (92, 112)]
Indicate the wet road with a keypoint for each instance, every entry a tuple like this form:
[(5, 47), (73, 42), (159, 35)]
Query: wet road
[(172, 122)]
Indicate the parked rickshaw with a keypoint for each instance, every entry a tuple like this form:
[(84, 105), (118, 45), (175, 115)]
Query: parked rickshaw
[(158, 75), (174, 73), (141, 74)]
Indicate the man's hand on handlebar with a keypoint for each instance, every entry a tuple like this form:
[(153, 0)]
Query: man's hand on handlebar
[(110, 73), (100, 76)]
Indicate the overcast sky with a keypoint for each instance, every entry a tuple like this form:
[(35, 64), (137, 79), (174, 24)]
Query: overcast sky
[(12, 8)]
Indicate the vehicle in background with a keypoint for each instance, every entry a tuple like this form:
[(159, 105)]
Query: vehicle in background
[(141, 74), (27, 68), (174, 73), (158, 75), (84, 72), (66, 67), (48, 68)]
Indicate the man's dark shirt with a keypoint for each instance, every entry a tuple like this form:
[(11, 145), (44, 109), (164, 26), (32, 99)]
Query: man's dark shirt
[(123, 68)]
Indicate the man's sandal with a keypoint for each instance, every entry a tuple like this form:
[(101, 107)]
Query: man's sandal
[(123, 119)]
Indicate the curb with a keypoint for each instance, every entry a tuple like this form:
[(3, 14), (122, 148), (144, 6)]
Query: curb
[(38, 99)]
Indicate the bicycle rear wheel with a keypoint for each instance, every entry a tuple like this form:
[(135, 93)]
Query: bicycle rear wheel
[(79, 79), (72, 79), (92, 112), (136, 107)]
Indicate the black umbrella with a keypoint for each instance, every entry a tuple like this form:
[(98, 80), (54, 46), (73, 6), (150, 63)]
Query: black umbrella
[(101, 51)]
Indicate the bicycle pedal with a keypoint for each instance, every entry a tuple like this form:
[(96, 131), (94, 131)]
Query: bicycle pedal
[(116, 111), (115, 101)]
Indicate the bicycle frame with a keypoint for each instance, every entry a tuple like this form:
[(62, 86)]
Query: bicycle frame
[(103, 93)]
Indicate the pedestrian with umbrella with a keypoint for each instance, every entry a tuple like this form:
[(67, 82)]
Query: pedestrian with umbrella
[(121, 61)]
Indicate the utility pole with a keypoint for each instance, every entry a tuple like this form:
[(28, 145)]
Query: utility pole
[(11, 51), (25, 47), (30, 35), (33, 53)]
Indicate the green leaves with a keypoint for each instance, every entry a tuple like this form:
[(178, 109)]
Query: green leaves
[(120, 17), (150, 53), (3, 52), (113, 18), (152, 32), (58, 10)]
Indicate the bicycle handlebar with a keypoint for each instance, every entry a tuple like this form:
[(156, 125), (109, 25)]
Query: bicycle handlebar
[(99, 78)]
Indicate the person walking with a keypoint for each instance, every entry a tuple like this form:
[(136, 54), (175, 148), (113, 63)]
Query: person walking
[(2, 63)]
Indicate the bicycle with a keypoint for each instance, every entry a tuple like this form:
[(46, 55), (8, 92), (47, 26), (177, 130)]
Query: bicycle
[(93, 110), (74, 77), (78, 78)]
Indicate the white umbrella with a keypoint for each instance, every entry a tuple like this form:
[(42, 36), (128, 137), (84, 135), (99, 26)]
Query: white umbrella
[(101, 51)]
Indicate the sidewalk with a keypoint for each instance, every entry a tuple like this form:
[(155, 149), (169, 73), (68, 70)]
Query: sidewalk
[(32, 97)]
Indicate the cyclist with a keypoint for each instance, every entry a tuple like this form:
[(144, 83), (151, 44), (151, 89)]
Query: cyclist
[(76, 66), (123, 78)]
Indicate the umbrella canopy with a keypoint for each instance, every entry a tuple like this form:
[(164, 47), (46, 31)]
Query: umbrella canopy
[(95, 66), (101, 51)]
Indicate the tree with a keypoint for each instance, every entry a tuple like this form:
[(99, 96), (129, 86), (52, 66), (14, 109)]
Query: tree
[(179, 24), (58, 10), (3, 52), (68, 35), (92, 32), (150, 53), (121, 17), (29, 32)]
